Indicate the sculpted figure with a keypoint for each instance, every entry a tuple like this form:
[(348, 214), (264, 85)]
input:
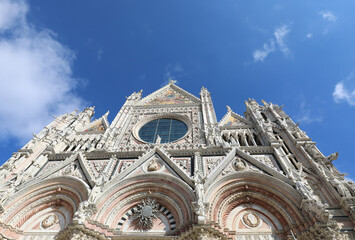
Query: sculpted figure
[(85, 211), (153, 165), (331, 157), (21, 178), (313, 151), (269, 130), (97, 189), (6, 192), (301, 184), (199, 189), (298, 133), (239, 164), (339, 186)]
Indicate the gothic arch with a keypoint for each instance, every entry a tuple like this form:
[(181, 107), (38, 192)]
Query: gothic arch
[(269, 198), (171, 193), (37, 205)]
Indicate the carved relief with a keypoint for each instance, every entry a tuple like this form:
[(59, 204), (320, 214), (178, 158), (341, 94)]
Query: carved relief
[(49, 221), (184, 164), (153, 165), (212, 162), (124, 165), (146, 212), (251, 220)]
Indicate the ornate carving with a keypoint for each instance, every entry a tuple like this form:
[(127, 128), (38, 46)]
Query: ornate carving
[(323, 231), (125, 165), (251, 220), (85, 211), (316, 208), (239, 164), (146, 213), (153, 165), (202, 233), (49, 221), (212, 162), (339, 186)]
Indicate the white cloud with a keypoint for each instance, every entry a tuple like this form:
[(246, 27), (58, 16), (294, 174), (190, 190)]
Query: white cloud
[(342, 94), (329, 16), (309, 35), (173, 71), (99, 53), (260, 55), (12, 13), (280, 34), (305, 116), (35, 72)]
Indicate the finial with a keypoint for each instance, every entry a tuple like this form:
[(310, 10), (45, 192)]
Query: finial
[(106, 114), (228, 108), (171, 81)]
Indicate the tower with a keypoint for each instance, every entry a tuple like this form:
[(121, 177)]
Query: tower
[(165, 168)]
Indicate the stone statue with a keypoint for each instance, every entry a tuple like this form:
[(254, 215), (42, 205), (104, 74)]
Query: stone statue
[(297, 133), (20, 179), (239, 164), (301, 183), (331, 157), (269, 130), (199, 188), (153, 165), (86, 210), (339, 186), (97, 189), (317, 208), (6, 192)]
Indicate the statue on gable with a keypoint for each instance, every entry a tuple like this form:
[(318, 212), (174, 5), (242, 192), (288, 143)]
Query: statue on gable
[(153, 165), (269, 130), (85, 211), (239, 164), (301, 183), (199, 188), (339, 186), (331, 158), (97, 189), (313, 151)]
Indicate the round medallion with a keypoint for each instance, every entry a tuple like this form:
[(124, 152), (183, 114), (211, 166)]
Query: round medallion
[(49, 221), (147, 211), (251, 219)]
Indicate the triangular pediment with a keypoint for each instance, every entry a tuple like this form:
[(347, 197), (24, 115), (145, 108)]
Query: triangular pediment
[(154, 161), (97, 126), (74, 166), (233, 120), (237, 160), (169, 95)]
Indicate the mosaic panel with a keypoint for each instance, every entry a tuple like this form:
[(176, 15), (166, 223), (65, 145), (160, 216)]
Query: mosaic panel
[(169, 97)]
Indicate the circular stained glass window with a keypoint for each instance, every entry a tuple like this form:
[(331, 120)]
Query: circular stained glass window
[(168, 129)]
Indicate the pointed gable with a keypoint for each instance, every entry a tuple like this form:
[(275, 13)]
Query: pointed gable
[(169, 97), (231, 119), (169, 94), (154, 161), (94, 128), (74, 165)]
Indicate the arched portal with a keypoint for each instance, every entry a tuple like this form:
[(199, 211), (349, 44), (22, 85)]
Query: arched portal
[(162, 201), (43, 208), (255, 206)]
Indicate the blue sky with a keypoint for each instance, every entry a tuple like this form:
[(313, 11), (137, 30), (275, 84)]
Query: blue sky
[(56, 56)]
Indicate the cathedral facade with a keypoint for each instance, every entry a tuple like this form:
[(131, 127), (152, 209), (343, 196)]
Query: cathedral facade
[(165, 168)]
